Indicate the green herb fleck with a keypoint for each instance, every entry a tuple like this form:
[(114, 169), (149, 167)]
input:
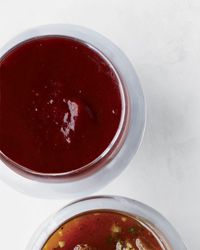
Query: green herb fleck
[(132, 230)]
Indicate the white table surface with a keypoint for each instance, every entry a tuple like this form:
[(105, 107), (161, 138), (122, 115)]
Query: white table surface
[(162, 39)]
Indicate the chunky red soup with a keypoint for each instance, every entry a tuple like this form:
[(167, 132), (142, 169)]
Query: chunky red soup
[(60, 104), (104, 230)]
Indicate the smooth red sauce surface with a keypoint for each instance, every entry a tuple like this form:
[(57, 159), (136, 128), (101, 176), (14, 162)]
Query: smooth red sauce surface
[(60, 104), (103, 231)]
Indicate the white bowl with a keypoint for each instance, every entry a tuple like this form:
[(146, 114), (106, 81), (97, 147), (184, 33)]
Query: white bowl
[(86, 184), (161, 227)]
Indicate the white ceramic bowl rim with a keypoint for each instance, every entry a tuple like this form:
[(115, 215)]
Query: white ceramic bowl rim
[(117, 203), (137, 117)]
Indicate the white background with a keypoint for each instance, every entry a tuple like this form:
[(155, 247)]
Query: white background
[(162, 39)]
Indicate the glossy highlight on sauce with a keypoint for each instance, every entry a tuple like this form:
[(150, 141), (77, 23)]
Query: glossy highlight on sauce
[(60, 104), (103, 230)]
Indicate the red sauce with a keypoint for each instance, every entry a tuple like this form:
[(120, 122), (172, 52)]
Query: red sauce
[(104, 230), (60, 104)]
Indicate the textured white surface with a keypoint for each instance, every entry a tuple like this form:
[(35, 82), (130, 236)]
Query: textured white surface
[(162, 39)]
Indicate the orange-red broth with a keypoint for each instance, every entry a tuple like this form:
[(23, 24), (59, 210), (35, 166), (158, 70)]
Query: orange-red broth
[(103, 230)]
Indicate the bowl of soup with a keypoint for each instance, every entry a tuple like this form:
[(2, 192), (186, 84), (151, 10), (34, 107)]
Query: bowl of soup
[(109, 223), (72, 111)]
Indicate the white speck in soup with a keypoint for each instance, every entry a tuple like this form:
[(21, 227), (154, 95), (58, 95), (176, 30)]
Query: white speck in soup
[(68, 140), (65, 118), (61, 244), (123, 219)]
